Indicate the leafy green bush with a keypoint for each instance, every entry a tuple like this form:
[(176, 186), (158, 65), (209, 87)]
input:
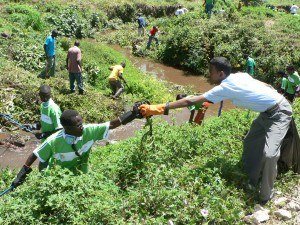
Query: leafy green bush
[(257, 11), (71, 23), (98, 20), (29, 57), (91, 73), (30, 17), (114, 23), (171, 175)]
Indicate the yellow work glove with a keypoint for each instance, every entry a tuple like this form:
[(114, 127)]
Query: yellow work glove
[(150, 110)]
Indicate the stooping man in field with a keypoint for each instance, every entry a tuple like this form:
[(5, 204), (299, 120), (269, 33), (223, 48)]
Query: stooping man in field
[(49, 48), (263, 141), (49, 120), (115, 78), (141, 25), (70, 147), (153, 35), (201, 107), (294, 9), (180, 11)]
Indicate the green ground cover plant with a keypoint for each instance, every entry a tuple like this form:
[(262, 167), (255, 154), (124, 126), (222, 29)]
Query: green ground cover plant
[(172, 175)]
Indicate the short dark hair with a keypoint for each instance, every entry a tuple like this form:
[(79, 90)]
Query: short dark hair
[(55, 32), (67, 116), (123, 64), (45, 89), (281, 73), (221, 64), (290, 67), (77, 43), (180, 96)]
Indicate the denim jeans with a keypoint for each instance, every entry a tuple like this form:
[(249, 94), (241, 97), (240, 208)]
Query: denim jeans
[(208, 9), (150, 41), (50, 68), (79, 81)]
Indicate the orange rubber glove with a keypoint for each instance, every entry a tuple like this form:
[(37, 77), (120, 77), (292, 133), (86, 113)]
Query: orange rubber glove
[(205, 104), (150, 110)]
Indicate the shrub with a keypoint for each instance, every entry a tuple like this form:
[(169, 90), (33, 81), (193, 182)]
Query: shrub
[(30, 17), (71, 23)]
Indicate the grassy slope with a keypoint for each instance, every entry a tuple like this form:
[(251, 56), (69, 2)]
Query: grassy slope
[(22, 59)]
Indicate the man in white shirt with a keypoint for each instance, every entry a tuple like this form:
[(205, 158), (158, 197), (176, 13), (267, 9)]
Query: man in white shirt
[(263, 141), (180, 11), (294, 9)]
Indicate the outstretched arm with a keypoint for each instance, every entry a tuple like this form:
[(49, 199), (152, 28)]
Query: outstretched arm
[(114, 123), (129, 115), (187, 102), (30, 160), (149, 110), (45, 49)]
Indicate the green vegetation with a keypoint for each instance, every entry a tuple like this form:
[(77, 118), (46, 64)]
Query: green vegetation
[(171, 175), (191, 40), (22, 59)]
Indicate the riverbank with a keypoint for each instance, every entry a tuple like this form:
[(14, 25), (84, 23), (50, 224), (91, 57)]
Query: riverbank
[(13, 156)]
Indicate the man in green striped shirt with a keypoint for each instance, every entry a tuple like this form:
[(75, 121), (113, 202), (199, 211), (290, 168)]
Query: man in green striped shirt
[(49, 120), (50, 114), (70, 147)]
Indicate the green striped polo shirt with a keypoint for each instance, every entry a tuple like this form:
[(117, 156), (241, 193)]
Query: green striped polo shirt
[(56, 149)]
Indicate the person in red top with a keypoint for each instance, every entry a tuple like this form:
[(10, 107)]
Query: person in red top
[(152, 35), (73, 62)]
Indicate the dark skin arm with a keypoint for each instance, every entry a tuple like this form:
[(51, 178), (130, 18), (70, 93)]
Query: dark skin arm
[(121, 77), (45, 49), (79, 63), (67, 63), (114, 123), (185, 102), (30, 160)]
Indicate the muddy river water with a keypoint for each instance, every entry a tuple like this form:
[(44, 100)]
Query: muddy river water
[(14, 157)]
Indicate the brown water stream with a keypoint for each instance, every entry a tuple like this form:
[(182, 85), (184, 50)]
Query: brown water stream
[(15, 157), (198, 83)]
